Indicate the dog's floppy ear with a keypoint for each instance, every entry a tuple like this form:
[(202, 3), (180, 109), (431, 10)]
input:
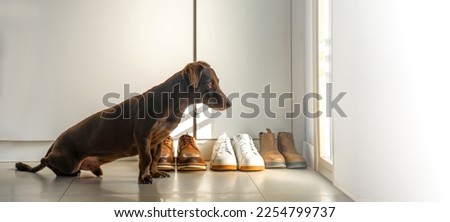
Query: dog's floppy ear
[(194, 78), (189, 73), (193, 72)]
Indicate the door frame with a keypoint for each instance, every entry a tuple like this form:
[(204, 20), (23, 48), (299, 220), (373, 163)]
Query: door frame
[(320, 165)]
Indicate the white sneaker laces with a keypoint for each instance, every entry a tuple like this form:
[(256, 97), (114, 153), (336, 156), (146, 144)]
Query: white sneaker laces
[(247, 146), (223, 147)]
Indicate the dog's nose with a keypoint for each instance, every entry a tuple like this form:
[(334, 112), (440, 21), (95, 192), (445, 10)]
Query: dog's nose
[(228, 105)]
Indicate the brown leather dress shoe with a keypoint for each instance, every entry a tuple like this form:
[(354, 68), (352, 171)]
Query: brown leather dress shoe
[(189, 156), (166, 160)]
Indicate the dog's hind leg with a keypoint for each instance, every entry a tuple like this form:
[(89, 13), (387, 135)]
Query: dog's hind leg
[(93, 164), (97, 172), (60, 174), (61, 164)]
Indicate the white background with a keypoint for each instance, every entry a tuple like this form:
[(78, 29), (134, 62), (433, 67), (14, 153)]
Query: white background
[(343, 212)]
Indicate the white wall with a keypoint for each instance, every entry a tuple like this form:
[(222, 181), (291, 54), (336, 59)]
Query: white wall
[(392, 59), (58, 58), (249, 44)]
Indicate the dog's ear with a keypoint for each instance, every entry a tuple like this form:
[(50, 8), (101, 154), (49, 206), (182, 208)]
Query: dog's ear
[(193, 72), (194, 77)]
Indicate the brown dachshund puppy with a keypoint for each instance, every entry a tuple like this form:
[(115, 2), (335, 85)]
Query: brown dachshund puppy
[(137, 126)]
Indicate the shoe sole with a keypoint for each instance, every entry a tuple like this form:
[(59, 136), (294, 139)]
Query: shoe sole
[(166, 167), (191, 167), (251, 168), (223, 167), (275, 165), (297, 165)]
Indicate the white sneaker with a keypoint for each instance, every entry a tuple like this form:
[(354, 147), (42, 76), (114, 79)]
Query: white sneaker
[(223, 157), (248, 157)]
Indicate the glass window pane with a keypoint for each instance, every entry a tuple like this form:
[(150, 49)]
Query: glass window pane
[(324, 72)]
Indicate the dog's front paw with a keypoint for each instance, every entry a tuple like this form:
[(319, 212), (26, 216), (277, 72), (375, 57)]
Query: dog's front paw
[(160, 174), (147, 179)]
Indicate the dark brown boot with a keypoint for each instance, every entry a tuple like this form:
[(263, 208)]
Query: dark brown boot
[(166, 160), (189, 156), (286, 145), (268, 150)]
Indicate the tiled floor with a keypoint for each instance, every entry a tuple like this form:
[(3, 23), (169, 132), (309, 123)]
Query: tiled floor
[(119, 183)]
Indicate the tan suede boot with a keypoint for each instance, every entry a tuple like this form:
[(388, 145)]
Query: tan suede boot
[(166, 160), (268, 150), (286, 145)]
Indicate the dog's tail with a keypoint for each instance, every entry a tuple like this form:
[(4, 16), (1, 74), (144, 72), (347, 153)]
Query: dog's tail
[(24, 167)]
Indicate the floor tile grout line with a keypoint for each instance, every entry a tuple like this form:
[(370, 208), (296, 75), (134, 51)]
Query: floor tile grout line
[(264, 197), (67, 189)]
